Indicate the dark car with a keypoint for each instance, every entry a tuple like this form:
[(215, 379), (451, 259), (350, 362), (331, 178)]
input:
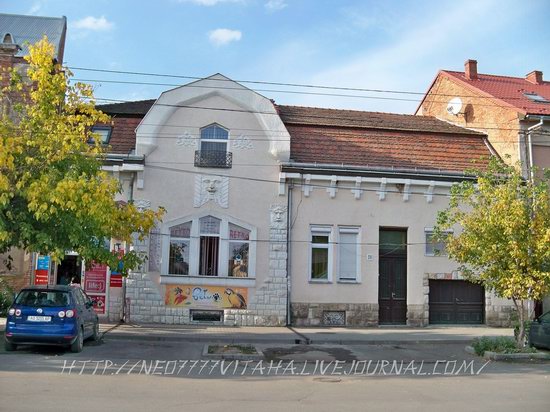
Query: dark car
[(53, 315), (539, 332)]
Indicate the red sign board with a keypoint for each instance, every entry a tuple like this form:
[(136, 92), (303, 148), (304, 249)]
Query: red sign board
[(41, 277), (116, 281), (99, 306), (95, 279)]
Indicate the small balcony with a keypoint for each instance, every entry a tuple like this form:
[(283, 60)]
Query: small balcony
[(213, 158)]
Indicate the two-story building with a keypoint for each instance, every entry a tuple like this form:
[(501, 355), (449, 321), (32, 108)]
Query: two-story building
[(282, 214), (514, 112)]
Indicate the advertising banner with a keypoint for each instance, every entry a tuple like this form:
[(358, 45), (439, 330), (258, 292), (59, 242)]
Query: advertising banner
[(206, 297), (115, 281), (99, 306), (95, 279), (41, 274)]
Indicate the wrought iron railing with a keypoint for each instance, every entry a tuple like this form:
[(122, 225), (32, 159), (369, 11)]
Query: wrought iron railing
[(213, 158)]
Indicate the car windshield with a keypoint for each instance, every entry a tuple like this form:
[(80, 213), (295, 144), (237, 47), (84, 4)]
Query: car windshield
[(43, 298)]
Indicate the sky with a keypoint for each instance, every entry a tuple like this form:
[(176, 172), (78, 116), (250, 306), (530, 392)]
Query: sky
[(384, 45)]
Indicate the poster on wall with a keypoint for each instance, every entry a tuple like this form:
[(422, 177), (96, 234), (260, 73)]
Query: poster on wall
[(206, 297), (99, 306), (41, 274), (95, 279)]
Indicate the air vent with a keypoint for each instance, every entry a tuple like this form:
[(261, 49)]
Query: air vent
[(207, 316)]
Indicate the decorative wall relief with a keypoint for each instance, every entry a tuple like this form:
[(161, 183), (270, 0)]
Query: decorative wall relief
[(211, 188), (242, 143), (186, 140), (142, 204), (278, 216)]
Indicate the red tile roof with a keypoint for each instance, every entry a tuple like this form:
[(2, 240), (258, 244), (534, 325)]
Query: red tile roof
[(123, 136), (380, 140), (509, 90)]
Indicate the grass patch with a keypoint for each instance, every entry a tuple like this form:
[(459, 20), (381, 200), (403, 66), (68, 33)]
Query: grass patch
[(500, 344), (234, 349)]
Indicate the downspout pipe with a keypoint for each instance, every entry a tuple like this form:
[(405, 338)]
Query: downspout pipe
[(288, 251), (530, 141)]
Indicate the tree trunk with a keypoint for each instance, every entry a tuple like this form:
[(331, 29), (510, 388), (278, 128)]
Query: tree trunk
[(520, 336)]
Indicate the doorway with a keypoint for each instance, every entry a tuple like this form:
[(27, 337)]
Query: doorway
[(392, 282), (69, 270)]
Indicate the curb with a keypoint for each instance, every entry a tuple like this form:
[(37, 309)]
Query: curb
[(494, 356)]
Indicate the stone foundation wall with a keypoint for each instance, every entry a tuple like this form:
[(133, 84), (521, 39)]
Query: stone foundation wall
[(418, 315), (311, 314)]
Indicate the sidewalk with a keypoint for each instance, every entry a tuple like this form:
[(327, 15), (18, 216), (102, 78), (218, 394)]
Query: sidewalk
[(294, 335)]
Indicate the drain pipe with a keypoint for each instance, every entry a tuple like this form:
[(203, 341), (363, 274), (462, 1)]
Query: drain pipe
[(530, 142), (288, 250)]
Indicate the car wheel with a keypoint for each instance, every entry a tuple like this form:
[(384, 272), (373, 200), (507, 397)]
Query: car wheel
[(78, 343), (96, 335), (9, 347)]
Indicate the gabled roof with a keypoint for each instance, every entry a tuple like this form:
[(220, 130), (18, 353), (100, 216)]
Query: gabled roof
[(381, 140), (31, 29), (510, 90)]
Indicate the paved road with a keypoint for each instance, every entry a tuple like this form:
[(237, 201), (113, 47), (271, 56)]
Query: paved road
[(141, 375)]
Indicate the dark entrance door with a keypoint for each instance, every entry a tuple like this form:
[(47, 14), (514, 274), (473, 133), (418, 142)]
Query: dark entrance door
[(456, 302), (392, 282)]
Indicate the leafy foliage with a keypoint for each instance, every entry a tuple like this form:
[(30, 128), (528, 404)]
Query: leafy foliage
[(6, 297), (503, 234), (53, 194), (499, 344)]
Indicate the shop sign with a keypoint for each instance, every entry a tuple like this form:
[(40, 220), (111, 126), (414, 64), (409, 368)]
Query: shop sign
[(41, 274), (206, 297), (95, 279), (99, 306)]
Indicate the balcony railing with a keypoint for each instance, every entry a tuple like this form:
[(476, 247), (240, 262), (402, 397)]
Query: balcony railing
[(213, 158)]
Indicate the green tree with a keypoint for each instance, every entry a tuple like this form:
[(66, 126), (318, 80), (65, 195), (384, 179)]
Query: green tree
[(53, 194), (503, 234)]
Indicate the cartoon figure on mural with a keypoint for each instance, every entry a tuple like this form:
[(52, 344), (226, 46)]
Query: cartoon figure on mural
[(180, 297), (236, 300)]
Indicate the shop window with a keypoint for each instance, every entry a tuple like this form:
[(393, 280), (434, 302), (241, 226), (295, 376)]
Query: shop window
[(239, 247), (179, 249), (210, 246)]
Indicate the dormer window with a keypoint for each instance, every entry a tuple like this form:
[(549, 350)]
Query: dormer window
[(8, 39), (104, 133), (213, 148), (536, 98)]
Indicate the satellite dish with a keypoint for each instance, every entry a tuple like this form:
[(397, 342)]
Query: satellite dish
[(454, 106)]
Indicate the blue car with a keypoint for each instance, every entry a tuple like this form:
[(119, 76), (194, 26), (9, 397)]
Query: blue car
[(52, 315)]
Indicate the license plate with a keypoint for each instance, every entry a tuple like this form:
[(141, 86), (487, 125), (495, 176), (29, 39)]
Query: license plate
[(39, 318)]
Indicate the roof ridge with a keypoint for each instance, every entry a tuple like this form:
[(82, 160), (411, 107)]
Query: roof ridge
[(355, 111), (32, 16), (491, 75)]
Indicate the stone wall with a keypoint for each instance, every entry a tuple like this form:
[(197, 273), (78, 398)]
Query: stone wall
[(311, 314)]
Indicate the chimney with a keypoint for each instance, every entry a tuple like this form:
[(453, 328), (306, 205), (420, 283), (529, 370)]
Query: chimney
[(470, 69), (534, 77)]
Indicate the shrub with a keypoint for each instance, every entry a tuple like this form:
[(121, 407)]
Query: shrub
[(499, 344), (6, 297)]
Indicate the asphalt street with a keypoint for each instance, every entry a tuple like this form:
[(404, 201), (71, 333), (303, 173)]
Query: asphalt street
[(140, 375)]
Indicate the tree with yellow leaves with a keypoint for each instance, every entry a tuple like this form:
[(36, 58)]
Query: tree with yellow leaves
[(54, 196), (503, 235)]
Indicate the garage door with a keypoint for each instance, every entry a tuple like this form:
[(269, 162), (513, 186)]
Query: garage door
[(456, 302)]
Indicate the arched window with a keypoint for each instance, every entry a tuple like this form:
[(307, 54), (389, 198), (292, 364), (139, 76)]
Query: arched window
[(211, 246), (213, 147)]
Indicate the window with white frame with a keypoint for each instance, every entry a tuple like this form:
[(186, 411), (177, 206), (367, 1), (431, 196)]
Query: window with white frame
[(320, 253), (348, 254), (214, 138), (434, 247), (178, 262), (210, 246), (239, 247)]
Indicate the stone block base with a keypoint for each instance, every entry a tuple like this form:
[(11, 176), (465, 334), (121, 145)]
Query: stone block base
[(313, 314), (417, 315)]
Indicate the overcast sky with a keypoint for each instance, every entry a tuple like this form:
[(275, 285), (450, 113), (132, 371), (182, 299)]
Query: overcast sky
[(389, 45)]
